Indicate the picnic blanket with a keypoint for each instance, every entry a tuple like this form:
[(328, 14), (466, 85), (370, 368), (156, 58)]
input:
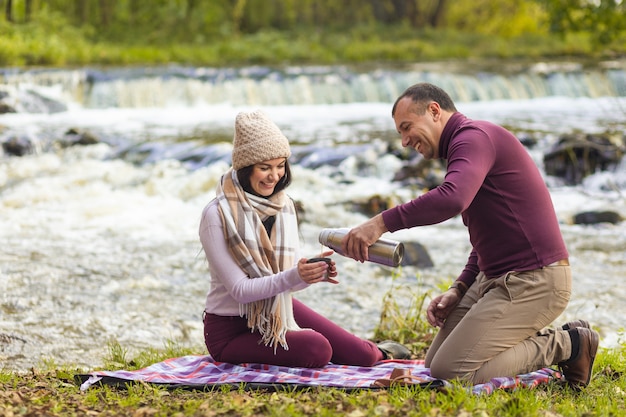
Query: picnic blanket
[(202, 372)]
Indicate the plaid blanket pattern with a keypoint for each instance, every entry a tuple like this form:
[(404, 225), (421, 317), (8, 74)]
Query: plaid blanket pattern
[(202, 370)]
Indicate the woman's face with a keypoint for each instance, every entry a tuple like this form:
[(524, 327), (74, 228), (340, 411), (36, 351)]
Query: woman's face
[(265, 175)]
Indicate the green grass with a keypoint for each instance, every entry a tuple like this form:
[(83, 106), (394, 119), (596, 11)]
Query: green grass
[(54, 393), (52, 390)]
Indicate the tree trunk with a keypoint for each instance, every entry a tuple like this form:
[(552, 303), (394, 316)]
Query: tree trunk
[(28, 10), (80, 11), (9, 11), (191, 7), (133, 11), (237, 14), (105, 12), (437, 16)]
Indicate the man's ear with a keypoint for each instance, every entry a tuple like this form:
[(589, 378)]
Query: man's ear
[(434, 110)]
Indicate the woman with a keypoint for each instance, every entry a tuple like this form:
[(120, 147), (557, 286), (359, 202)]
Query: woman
[(249, 233)]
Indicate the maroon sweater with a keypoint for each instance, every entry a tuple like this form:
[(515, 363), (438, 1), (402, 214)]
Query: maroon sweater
[(496, 187)]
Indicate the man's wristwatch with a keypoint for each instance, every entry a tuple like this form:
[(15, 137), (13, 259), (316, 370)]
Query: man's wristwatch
[(459, 286)]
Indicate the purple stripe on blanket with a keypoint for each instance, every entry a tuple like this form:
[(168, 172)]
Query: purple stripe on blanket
[(198, 370)]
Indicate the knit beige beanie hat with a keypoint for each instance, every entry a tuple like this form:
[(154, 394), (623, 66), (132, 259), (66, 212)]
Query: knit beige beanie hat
[(257, 139)]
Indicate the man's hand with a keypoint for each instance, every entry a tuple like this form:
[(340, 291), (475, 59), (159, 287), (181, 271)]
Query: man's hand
[(357, 242), (440, 307)]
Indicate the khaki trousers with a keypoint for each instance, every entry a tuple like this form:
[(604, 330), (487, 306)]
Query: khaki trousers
[(499, 327)]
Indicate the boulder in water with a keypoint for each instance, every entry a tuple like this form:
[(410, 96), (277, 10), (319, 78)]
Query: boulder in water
[(17, 145), (595, 217), (415, 254), (576, 156)]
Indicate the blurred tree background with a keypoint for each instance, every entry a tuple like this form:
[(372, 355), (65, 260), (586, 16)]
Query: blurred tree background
[(244, 32)]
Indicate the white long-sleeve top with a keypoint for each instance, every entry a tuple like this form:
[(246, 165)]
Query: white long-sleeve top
[(230, 286)]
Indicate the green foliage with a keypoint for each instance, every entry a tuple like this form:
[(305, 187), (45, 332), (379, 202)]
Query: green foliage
[(244, 32), (47, 40), (117, 354), (10, 50), (403, 319), (605, 20), (502, 18), (117, 357), (269, 47)]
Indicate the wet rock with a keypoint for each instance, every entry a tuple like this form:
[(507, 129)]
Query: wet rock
[(13, 100), (10, 345), (415, 254), (5, 108), (373, 205), (422, 173), (206, 155), (528, 141), (36, 102), (75, 137), (17, 145), (595, 217), (189, 153), (313, 157), (576, 156)]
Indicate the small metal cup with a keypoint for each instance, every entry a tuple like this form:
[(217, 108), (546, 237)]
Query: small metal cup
[(327, 260)]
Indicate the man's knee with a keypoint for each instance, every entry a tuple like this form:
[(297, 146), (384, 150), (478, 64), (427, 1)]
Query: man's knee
[(448, 371)]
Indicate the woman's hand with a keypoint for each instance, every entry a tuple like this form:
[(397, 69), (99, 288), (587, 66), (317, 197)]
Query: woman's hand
[(318, 271)]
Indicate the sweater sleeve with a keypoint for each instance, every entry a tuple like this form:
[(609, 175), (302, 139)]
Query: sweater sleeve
[(226, 272), (471, 270), (470, 157)]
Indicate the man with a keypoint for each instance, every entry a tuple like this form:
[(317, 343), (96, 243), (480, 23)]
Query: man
[(517, 279)]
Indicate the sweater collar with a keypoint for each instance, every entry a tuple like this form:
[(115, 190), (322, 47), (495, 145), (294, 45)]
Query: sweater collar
[(448, 132)]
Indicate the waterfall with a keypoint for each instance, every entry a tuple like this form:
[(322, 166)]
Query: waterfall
[(260, 86)]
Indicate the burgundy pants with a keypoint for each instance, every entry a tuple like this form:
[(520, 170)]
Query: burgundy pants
[(229, 339)]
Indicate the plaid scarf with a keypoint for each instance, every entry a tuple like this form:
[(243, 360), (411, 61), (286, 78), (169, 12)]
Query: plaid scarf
[(259, 254)]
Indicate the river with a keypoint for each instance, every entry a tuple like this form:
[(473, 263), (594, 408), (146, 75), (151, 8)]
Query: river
[(100, 244)]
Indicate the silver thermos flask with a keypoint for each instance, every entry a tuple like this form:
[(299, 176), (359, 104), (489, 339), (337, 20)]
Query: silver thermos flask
[(383, 251)]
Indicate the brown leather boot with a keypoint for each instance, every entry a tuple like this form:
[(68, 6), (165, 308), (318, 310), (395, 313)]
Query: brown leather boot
[(576, 323), (578, 370)]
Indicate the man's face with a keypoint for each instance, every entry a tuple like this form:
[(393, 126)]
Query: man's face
[(420, 132)]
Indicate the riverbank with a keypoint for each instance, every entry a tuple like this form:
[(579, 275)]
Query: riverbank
[(50, 389)]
